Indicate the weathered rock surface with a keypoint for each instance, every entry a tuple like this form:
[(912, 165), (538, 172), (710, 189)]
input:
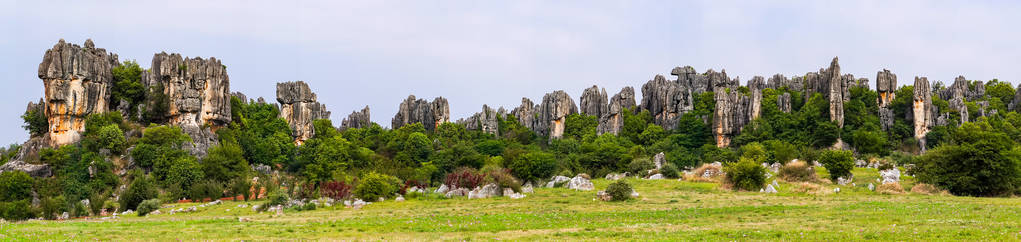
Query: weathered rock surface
[(487, 191), (429, 114), (33, 170), (525, 113), (783, 101), (613, 119), (485, 121), (1016, 104), (886, 87), (553, 113), (356, 119), (832, 86), (78, 82), (198, 89), (666, 100), (755, 86), (922, 110), (557, 181), (732, 112), (298, 105), (580, 183), (890, 175), (593, 101)]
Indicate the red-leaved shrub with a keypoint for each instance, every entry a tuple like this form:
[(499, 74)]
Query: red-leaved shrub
[(464, 177), (337, 190)]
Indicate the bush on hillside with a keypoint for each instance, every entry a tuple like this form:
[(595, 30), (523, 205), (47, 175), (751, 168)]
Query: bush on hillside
[(15, 186), (619, 191), (641, 166), (838, 162), (373, 186), (148, 206), (141, 189), (18, 210), (206, 189), (669, 170), (746, 175), (464, 177)]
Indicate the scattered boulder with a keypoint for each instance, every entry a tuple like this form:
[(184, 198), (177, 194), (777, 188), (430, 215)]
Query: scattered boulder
[(33, 170), (616, 176), (656, 177), (442, 189), (844, 181), (527, 188), (890, 175), (557, 181), (580, 183), (769, 189), (487, 191), (399, 198), (872, 187), (659, 160), (459, 192), (507, 192)]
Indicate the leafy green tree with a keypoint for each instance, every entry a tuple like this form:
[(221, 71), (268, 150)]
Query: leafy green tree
[(15, 186), (746, 175), (224, 162), (605, 154), (141, 189), (755, 152), (999, 91), (36, 122), (373, 186), (838, 162), (980, 162), (127, 79), (651, 134), (533, 166), (577, 126)]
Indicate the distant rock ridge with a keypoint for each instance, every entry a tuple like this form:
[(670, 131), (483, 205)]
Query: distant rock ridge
[(357, 119), (429, 114)]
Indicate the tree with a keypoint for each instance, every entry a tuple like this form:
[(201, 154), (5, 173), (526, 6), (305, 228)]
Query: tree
[(533, 166), (15, 186), (141, 189), (36, 122), (373, 186), (981, 162), (128, 87), (577, 126), (224, 163), (838, 162)]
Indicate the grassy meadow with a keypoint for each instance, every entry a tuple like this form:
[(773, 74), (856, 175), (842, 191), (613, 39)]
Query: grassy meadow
[(666, 210)]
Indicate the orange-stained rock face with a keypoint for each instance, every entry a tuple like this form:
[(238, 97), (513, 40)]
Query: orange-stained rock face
[(78, 82)]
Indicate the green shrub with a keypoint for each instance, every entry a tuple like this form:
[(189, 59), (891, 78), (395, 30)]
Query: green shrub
[(36, 122), (148, 206), (96, 202), (373, 186), (141, 189), (275, 198), (838, 162), (112, 138), (981, 163), (533, 165), (640, 166), (240, 186), (15, 186), (111, 206), (746, 175), (51, 206), (619, 191), (504, 179), (206, 189), (18, 210), (669, 170)]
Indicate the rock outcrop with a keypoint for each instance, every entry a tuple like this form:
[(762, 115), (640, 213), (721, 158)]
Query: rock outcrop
[(922, 110), (732, 112), (886, 87), (593, 101), (783, 101), (832, 86), (356, 119), (666, 100), (32, 170), (526, 113), (553, 113), (1016, 104), (198, 89), (755, 86), (485, 121), (430, 114), (298, 105), (78, 82), (613, 119)]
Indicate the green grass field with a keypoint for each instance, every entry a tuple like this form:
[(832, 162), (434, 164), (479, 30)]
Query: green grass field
[(666, 210)]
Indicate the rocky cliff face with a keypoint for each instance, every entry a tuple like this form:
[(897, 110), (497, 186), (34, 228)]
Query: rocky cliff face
[(485, 121), (755, 86), (298, 105), (922, 110), (1016, 104), (667, 100), (526, 113), (613, 119), (198, 89), (356, 119), (199, 93), (732, 112), (832, 86), (784, 102), (430, 114), (78, 82), (553, 113), (593, 101), (886, 86)]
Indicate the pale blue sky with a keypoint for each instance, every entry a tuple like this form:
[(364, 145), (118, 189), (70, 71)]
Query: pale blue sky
[(375, 53)]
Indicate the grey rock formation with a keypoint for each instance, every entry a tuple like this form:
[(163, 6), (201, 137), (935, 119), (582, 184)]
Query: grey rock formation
[(732, 112), (240, 96), (593, 101), (963, 88), (666, 101), (198, 89), (33, 170), (613, 119), (832, 86), (485, 121), (78, 82), (580, 183), (526, 113), (783, 101), (755, 86), (357, 119), (886, 87), (777, 81), (298, 105), (1015, 105), (553, 113), (430, 114), (957, 103), (922, 110)]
